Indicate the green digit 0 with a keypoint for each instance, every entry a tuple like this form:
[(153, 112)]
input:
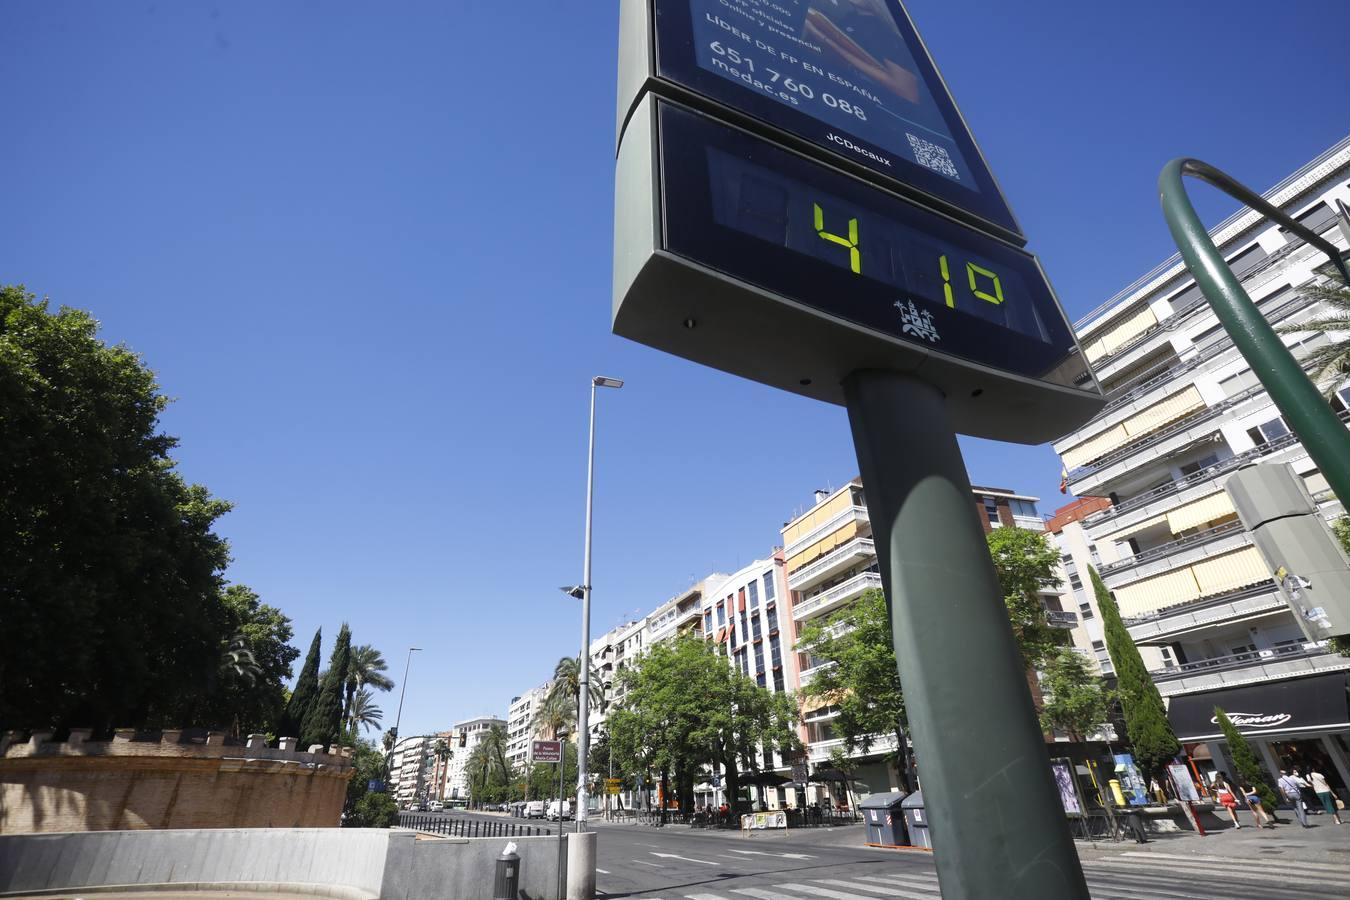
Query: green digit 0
[(947, 281), (851, 242), (996, 297)]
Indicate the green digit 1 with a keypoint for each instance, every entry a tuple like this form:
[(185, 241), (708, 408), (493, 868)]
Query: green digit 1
[(851, 242), (997, 296), (947, 281)]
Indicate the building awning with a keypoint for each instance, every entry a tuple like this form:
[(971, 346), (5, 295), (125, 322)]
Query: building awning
[(1294, 706)]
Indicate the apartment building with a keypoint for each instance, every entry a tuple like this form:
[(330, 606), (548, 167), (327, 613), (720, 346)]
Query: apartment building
[(466, 736), (743, 616), (520, 728), (1183, 412), (829, 561), (1077, 553), (411, 768)]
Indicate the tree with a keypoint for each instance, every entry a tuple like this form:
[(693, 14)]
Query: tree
[(855, 671), (1331, 361), (1076, 702), (1026, 563), (487, 768), (1248, 769), (366, 669), (363, 713), (252, 695), (365, 808), (305, 692), (323, 725), (110, 602), (1150, 734)]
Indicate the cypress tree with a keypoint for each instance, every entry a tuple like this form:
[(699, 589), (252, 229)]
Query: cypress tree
[(323, 724), (302, 698), (1150, 734), (1248, 769)]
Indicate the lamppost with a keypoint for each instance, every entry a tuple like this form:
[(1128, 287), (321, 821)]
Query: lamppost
[(584, 662), (398, 718)]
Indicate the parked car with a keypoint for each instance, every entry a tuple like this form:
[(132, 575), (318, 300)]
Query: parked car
[(554, 814), (435, 806), (534, 809)]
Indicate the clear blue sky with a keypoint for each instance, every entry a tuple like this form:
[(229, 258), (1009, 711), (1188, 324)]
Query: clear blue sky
[(367, 248)]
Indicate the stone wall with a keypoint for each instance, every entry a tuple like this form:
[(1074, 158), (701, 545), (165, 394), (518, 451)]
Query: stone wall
[(83, 785)]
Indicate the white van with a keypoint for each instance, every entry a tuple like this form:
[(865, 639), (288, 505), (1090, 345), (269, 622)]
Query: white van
[(553, 815), (435, 806), (534, 809)]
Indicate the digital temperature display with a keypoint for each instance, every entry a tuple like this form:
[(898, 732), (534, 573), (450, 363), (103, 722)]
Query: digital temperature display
[(769, 217)]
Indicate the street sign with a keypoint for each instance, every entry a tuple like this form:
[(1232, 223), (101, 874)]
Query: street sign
[(745, 241), (800, 773), (852, 78), (546, 751), (613, 785)]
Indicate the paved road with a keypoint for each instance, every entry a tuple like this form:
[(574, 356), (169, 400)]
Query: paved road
[(641, 862)]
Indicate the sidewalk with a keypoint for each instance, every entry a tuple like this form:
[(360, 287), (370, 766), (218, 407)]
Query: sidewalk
[(1324, 842)]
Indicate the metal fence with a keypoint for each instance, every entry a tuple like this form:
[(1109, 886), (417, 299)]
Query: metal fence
[(468, 828)]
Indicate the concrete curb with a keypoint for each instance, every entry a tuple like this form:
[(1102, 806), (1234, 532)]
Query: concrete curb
[(334, 891)]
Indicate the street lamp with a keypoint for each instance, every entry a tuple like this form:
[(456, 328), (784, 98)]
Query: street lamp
[(584, 662), (404, 689)]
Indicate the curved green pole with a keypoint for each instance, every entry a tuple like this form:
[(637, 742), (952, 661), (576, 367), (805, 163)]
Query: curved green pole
[(1304, 409)]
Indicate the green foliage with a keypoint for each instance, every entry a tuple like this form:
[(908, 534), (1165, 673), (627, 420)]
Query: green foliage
[(1146, 725), (1330, 362), (1248, 769), (488, 772), (362, 713), (543, 778), (558, 709), (251, 696), (306, 690), (367, 766), (1026, 563), (365, 669), (323, 724), (1076, 700), (111, 609), (687, 706), (373, 811), (863, 681)]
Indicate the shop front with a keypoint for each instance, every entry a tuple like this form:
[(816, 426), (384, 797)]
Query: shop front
[(1295, 724)]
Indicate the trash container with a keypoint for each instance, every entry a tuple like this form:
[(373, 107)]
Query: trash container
[(916, 820), (884, 819)]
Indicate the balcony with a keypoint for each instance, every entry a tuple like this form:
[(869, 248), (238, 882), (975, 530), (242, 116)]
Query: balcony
[(819, 751), (1061, 618), (1248, 668), (1132, 564), (1165, 625), (856, 514), (832, 563), (835, 597), (806, 675)]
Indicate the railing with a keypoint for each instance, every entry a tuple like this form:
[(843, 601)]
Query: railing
[(468, 828), (1239, 660), (1171, 547), (1165, 612), (1056, 618), (850, 514), (861, 546), (806, 675), (853, 585)]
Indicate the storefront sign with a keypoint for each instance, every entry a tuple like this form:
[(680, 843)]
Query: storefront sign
[(1283, 707), (761, 820)]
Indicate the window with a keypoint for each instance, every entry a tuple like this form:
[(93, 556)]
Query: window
[(1096, 557), (754, 623), (754, 594), (1103, 656), (721, 615), (1024, 508), (760, 680), (778, 680), (1085, 610), (1268, 431), (759, 658), (1203, 462), (707, 622), (768, 586), (745, 629), (772, 615), (991, 510), (775, 652)]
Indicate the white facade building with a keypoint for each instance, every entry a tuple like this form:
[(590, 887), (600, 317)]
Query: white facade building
[(520, 725), (1183, 412), (410, 768), (466, 736)]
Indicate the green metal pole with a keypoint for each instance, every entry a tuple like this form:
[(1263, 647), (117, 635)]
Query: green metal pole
[(998, 827), (1304, 408)]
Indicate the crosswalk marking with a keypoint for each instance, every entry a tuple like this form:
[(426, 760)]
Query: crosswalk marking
[(877, 889), (903, 879), (704, 897), (819, 891), (762, 894), (1231, 870), (1338, 869)]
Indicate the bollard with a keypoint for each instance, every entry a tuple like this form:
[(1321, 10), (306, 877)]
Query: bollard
[(506, 885)]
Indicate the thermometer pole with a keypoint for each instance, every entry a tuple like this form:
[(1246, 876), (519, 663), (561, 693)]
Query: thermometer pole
[(999, 829)]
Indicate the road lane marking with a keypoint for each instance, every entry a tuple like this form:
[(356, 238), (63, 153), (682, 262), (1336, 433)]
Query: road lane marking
[(704, 897), (643, 862), (874, 888), (703, 862), (760, 894), (783, 855), (603, 871), (819, 891), (902, 878)]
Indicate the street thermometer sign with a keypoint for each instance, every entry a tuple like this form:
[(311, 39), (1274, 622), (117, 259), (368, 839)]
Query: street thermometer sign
[(797, 198), (798, 202)]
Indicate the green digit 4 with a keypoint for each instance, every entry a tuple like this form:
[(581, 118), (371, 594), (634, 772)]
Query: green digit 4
[(851, 242)]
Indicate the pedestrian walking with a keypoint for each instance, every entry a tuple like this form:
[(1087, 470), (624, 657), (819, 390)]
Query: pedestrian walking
[(1227, 796), (1323, 792), (1291, 786), (1263, 818)]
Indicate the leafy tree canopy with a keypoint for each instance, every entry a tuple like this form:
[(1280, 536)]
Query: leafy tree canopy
[(1026, 563), (1076, 701)]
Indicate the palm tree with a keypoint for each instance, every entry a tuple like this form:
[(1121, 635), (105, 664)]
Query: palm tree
[(363, 713), (366, 668), (237, 661), (1331, 361), (555, 713)]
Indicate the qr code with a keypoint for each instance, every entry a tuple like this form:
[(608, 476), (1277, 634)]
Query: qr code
[(931, 155)]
